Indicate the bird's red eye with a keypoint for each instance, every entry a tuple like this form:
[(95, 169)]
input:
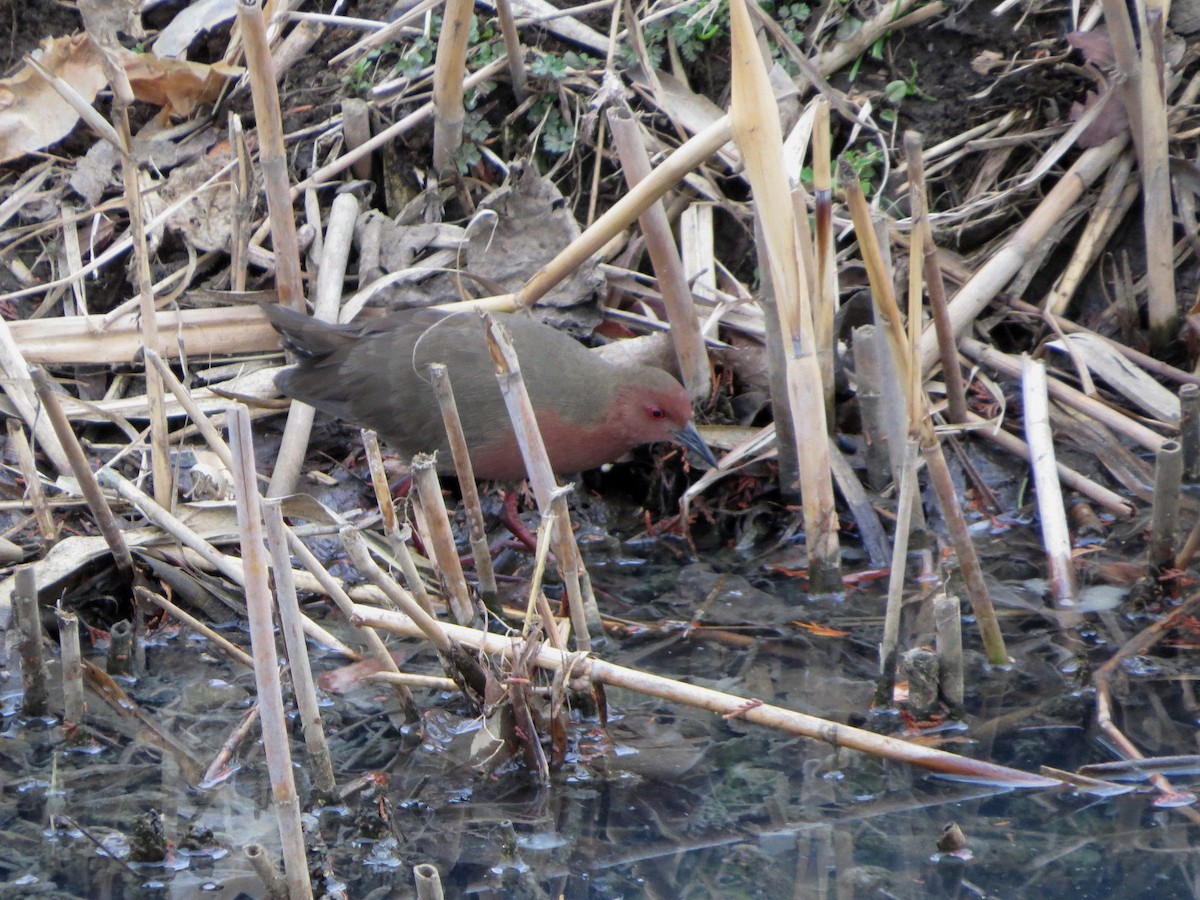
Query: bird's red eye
[(657, 413)]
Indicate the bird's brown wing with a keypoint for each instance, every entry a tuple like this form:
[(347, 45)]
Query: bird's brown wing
[(360, 372)]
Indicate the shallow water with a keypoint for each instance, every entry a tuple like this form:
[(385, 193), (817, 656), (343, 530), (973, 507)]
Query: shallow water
[(665, 801)]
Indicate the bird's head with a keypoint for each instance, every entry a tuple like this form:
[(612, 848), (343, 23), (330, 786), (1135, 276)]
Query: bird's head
[(650, 406)]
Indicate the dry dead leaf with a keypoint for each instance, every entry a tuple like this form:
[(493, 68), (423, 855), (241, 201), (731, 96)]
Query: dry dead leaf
[(95, 171), (32, 114), (106, 20), (207, 218), (1096, 47), (987, 61), (1112, 120), (532, 223), (1122, 375), (174, 84), (198, 18)]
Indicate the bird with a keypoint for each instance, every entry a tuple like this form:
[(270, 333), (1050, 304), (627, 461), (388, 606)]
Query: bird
[(374, 373)]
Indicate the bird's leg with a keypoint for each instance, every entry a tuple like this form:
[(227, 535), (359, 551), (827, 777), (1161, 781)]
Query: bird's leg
[(510, 519), (401, 487)]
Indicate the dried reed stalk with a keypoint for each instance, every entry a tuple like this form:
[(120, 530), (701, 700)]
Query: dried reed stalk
[(449, 69), (272, 155), (342, 601), (1142, 360), (356, 128), (781, 407), (883, 292), (947, 618), (1105, 216), (890, 643), (903, 401), (398, 537), (102, 31), (512, 48), (1164, 509), (1140, 79), (73, 262), (1138, 645), (466, 670), (218, 770), (964, 549), (1188, 551), (1158, 221), (754, 121), (699, 261), (1068, 396), (266, 870), (205, 332), (1189, 430), (437, 682), (18, 442), (922, 242), (1052, 513), (990, 278), (102, 514), (581, 668), (537, 599), (379, 480), (35, 679), (218, 640), (390, 134), (401, 546), (903, 345), (276, 746), (327, 295), (870, 529), (808, 253), (444, 391), (207, 430), (232, 569), (241, 187), (625, 211), (870, 404), (118, 660), (74, 705), (445, 552), (425, 875), (388, 31), (581, 602), (17, 384), (160, 454), (664, 256), (299, 666), (825, 278)]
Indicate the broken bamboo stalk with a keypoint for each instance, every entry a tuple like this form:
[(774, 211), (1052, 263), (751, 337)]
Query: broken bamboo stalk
[(582, 668), (686, 338), (276, 745), (86, 478), (990, 278), (581, 602), (754, 120), (445, 552), (1052, 513), (1164, 510), (443, 389)]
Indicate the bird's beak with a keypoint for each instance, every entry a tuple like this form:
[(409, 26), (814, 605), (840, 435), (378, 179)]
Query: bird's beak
[(690, 438)]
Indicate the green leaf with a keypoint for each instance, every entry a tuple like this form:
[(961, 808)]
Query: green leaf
[(895, 91)]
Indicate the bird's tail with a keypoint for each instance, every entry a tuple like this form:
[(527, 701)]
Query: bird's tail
[(305, 336)]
